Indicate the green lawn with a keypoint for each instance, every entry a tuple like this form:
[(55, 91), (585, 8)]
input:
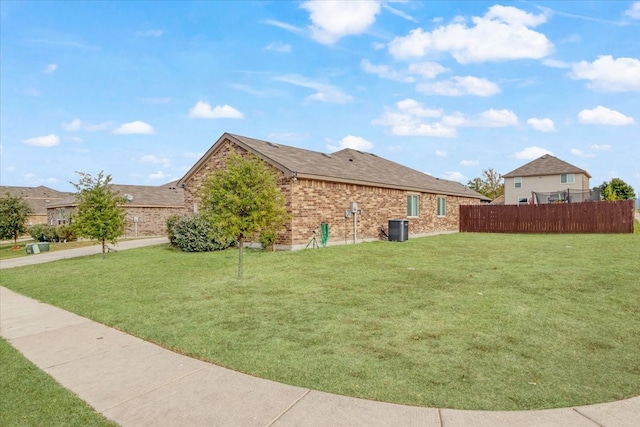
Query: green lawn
[(30, 397), (474, 321)]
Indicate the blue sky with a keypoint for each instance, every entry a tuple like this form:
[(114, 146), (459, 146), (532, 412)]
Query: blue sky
[(141, 90)]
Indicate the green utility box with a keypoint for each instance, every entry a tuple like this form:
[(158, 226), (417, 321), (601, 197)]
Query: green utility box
[(36, 248)]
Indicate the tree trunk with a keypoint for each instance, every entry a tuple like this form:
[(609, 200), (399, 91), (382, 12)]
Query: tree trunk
[(240, 256), (104, 247)]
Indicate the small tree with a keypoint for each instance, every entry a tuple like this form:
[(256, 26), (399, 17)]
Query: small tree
[(100, 214), (14, 214), (617, 189), (243, 199), (490, 184)]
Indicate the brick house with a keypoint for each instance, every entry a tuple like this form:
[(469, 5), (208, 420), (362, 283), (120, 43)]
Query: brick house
[(39, 198), (321, 188), (547, 179), (146, 210)]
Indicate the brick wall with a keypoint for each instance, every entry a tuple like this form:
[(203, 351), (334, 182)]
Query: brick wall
[(152, 221), (315, 202), (312, 202)]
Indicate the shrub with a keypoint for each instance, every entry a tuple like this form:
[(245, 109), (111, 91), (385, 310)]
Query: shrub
[(43, 233), (268, 238), (195, 234), (171, 221), (66, 233)]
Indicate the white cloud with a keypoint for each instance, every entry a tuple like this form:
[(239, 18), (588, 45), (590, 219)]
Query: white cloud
[(503, 33), (580, 153), (283, 25), (354, 142), (332, 20), (415, 108), (634, 10), (460, 86), (278, 47), (74, 139), (50, 140), (77, 124), (152, 158), (325, 92), (150, 33), (203, 110), (409, 119), (604, 116), (157, 176), (440, 153), (469, 162), (427, 69), (543, 125), (604, 147), (554, 63), (487, 119), (136, 128), (385, 72), (454, 176), (399, 13), (531, 153), (608, 74), (50, 68)]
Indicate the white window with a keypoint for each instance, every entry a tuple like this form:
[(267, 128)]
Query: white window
[(413, 202), (517, 182), (567, 178), (523, 200), (442, 206)]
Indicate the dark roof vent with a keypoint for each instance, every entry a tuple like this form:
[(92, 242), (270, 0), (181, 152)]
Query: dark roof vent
[(351, 160), (272, 144), (326, 155)]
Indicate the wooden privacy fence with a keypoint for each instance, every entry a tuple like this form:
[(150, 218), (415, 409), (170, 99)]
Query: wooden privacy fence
[(587, 217)]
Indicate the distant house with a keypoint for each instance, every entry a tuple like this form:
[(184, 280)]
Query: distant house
[(354, 192), (39, 198), (146, 210), (546, 179)]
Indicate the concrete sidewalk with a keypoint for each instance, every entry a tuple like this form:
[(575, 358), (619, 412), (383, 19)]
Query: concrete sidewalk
[(136, 383)]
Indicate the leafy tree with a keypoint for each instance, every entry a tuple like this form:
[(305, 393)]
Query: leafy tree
[(14, 213), (617, 189), (243, 199), (490, 184), (100, 214)]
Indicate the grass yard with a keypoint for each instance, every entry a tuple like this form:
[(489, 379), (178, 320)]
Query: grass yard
[(473, 321), (30, 397)]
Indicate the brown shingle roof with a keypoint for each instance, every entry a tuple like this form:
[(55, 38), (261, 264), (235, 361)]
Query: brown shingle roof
[(167, 195), (39, 198), (545, 165), (346, 165)]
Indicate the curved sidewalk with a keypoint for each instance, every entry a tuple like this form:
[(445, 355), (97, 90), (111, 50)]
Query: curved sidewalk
[(136, 383)]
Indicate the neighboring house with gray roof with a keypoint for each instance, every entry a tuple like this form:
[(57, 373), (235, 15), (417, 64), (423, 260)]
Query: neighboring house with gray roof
[(39, 198), (146, 210), (553, 180), (321, 187)]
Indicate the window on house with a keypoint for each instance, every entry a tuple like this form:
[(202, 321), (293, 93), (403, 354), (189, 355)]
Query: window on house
[(517, 182), (413, 201), (442, 206), (567, 178), (523, 200)]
